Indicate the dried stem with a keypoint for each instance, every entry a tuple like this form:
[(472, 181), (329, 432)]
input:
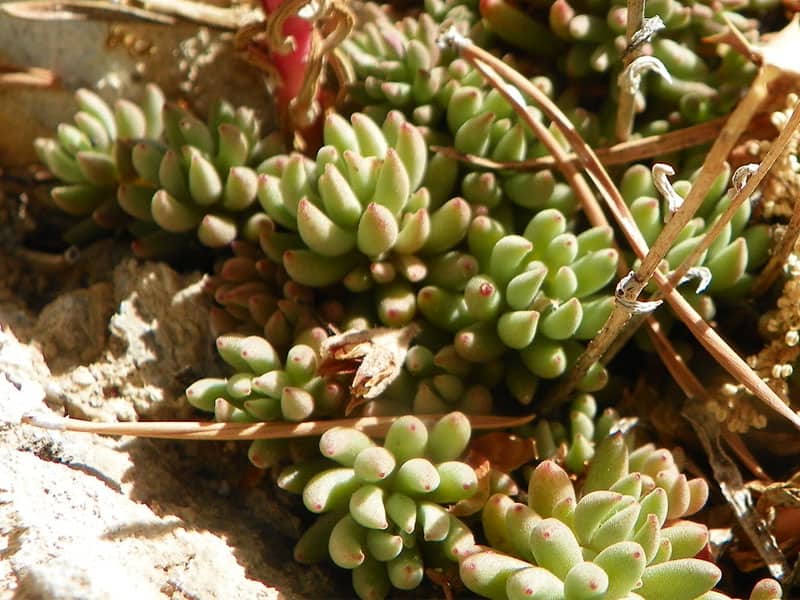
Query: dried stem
[(33, 77), (153, 11), (774, 152), (707, 337), (740, 449), (618, 154), (627, 97), (48, 262), (568, 169), (735, 492), (205, 430), (204, 14)]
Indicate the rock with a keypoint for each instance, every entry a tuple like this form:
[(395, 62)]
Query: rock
[(93, 517), (127, 348)]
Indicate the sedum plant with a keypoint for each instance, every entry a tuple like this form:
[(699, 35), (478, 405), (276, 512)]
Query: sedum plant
[(89, 156), (736, 253), (619, 533), (360, 213), (572, 444), (157, 170), (498, 288), (381, 508), (269, 386)]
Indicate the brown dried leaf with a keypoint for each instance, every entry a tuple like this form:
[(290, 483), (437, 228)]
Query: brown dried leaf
[(376, 354), (505, 451)]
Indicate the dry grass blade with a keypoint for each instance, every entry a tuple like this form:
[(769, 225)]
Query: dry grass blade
[(776, 149), (708, 338), (79, 10), (209, 430), (155, 11), (618, 154), (627, 97), (34, 77)]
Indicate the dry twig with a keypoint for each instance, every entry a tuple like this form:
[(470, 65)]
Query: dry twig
[(627, 96), (205, 430)]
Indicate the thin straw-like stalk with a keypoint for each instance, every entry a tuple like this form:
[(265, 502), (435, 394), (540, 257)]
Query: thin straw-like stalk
[(707, 337), (199, 12), (568, 169), (618, 154), (208, 430), (774, 152), (734, 490), (47, 10), (627, 97)]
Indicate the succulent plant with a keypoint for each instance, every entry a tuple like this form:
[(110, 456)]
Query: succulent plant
[(158, 170), (90, 160), (381, 507), (590, 41), (535, 293), (255, 296), (359, 214), (269, 386), (572, 445), (203, 178), (618, 533)]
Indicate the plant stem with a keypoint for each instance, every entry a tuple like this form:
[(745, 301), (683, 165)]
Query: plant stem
[(774, 152), (627, 97), (209, 430)]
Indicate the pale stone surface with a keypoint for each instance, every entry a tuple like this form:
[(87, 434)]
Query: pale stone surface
[(127, 348), (93, 517)]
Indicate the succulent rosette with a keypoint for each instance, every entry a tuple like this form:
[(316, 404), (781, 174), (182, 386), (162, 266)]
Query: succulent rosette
[(535, 293), (157, 170), (383, 508), (89, 157), (360, 213), (618, 534), (572, 444)]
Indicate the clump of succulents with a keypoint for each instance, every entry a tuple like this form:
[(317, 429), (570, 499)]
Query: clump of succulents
[(158, 170), (572, 445), (269, 386), (535, 293), (89, 158), (360, 213), (618, 534), (398, 66), (382, 508)]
